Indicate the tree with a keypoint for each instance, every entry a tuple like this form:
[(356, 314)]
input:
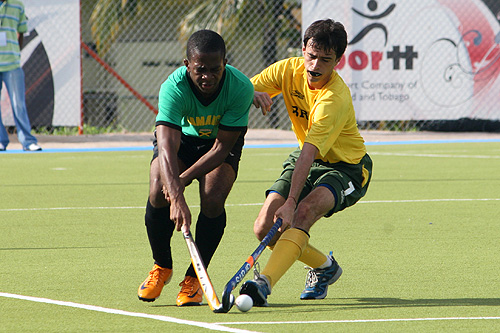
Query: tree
[(107, 18), (231, 18), (271, 19)]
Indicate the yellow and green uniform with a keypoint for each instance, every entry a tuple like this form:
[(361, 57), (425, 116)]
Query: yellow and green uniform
[(326, 119), (323, 117)]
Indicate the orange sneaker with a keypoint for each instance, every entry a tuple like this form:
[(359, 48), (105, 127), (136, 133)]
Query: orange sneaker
[(190, 293), (151, 288)]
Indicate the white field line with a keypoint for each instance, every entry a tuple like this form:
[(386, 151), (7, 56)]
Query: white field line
[(427, 200), (242, 205), (210, 326), (219, 325), (435, 155), (353, 321)]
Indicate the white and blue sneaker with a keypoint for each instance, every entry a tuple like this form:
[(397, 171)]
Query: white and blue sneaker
[(258, 289), (32, 147), (318, 280)]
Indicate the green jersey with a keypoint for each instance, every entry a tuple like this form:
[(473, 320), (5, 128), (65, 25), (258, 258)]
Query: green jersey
[(179, 106)]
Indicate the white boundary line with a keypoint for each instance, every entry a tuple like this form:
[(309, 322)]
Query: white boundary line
[(210, 326), (427, 200), (247, 204), (435, 155)]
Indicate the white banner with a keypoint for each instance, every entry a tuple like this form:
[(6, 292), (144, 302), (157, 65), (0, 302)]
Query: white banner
[(51, 62), (417, 60)]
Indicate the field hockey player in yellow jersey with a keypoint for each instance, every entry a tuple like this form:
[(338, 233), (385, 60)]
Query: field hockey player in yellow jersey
[(328, 173)]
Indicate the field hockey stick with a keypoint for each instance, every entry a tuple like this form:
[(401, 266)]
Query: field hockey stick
[(227, 303), (201, 273)]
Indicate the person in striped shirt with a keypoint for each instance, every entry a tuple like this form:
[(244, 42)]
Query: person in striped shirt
[(13, 24)]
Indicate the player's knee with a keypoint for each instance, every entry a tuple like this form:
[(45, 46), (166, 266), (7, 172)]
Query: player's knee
[(212, 212), (259, 229), (157, 201), (259, 232), (212, 208), (154, 183), (156, 196), (304, 215)]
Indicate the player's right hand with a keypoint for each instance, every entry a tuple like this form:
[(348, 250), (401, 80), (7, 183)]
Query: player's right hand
[(262, 100), (286, 214)]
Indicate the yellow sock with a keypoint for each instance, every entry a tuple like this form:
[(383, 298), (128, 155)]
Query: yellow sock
[(286, 251), (312, 257)]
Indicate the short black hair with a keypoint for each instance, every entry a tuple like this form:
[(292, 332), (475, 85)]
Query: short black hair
[(205, 41), (327, 35)]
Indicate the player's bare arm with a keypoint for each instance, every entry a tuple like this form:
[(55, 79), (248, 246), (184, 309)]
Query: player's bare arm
[(262, 100), (168, 145), (214, 157), (302, 167)]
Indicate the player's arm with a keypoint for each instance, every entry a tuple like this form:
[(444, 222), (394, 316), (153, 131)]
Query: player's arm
[(20, 39), (168, 142), (302, 168), (214, 157)]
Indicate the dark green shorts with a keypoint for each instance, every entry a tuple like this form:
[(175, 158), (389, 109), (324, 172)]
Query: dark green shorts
[(348, 182)]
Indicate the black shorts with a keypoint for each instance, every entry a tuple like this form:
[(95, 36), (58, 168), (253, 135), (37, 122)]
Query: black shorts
[(193, 148)]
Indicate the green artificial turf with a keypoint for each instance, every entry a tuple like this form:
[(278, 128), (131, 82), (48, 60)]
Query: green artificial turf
[(419, 252)]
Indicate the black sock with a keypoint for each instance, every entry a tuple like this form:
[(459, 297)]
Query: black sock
[(160, 229), (208, 236)]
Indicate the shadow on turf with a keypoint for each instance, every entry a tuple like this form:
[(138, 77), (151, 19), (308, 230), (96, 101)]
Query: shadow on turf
[(424, 302), (380, 303), (376, 303)]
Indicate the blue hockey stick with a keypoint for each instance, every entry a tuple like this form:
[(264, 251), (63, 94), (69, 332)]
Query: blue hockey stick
[(227, 303)]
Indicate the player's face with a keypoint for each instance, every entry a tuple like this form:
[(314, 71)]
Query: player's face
[(319, 64), (206, 70)]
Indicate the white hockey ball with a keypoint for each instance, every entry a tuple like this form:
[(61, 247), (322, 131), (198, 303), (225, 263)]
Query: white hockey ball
[(244, 303)]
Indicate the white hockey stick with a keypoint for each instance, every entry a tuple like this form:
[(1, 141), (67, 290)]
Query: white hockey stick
[(201, 272)]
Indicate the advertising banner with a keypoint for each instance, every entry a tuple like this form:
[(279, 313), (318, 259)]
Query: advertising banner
[(418, 60)]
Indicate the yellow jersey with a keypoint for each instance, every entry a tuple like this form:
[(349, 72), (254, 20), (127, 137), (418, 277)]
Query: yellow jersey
[(322, 117)]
